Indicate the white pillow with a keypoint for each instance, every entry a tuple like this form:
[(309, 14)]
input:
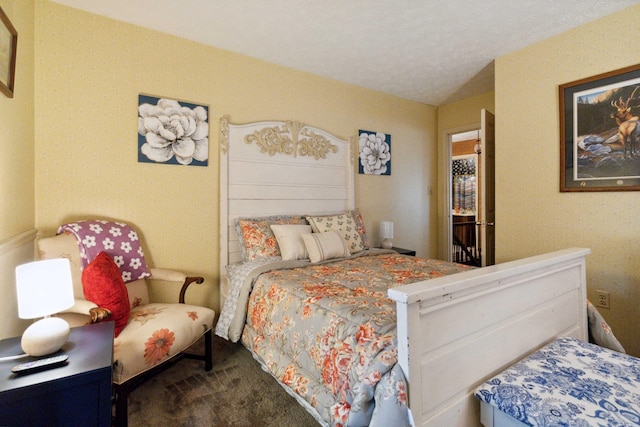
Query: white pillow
[(290, 241), (324, 246)]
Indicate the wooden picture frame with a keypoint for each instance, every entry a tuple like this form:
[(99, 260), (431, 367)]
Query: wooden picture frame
[(600, 132), (8, 49)]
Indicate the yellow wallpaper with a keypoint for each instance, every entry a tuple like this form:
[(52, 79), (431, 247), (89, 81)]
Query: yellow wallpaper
[(17, 201), (16, 130), (532, 216), (88, 74)]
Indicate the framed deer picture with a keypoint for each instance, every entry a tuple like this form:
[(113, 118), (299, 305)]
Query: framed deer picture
[(600, 132)]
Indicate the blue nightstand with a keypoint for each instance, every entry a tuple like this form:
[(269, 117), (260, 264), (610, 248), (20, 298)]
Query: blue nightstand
[(77, 394)]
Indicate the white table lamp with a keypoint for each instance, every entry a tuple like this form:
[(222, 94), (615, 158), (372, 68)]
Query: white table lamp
[(44, 288), (386, 233)]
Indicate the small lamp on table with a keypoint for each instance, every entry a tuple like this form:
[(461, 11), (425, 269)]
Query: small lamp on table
[(44, 288), (386, 233)]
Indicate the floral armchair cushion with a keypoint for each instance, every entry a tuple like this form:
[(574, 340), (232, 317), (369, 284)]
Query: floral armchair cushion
[(162, 330)]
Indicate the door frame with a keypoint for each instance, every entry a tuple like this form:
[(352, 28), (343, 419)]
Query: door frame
[(446, 229), (488, 188)]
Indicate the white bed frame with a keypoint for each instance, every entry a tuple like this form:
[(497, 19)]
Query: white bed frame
[(454, 332)]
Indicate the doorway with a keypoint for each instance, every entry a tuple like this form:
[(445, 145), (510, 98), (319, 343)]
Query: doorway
[(465, 242), (470, 193)]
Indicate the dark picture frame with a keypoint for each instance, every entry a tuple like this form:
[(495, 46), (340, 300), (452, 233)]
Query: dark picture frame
[(8, 50), (182, 140), (374, 153), (600, 132)]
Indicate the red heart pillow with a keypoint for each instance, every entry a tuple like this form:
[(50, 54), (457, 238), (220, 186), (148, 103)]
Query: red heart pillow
[(103, 285)]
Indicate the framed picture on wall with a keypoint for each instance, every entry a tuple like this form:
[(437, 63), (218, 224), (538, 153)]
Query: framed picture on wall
[(600, 132), (172, 132), (8, 49), (374, 153)]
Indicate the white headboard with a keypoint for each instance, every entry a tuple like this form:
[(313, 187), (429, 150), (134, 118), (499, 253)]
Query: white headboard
[(279, 167)]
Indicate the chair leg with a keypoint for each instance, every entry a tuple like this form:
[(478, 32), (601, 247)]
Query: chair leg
[(208, 352), (121, 416), (122, 390)]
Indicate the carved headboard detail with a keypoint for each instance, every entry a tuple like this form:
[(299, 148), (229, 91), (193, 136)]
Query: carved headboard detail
[(277, 168)]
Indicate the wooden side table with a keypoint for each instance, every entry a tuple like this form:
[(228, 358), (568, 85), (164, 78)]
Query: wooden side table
[(77, 394)]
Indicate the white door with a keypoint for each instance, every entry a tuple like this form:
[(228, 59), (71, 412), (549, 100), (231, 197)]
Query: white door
[(486, 189)]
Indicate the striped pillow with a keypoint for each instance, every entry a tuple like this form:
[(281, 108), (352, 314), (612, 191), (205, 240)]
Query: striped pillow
[(325, 246)]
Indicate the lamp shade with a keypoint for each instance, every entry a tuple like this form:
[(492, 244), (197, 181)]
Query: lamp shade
[(386, 229), (44, 288)]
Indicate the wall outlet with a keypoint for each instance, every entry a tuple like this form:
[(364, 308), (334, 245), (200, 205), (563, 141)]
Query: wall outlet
[(602, 299)]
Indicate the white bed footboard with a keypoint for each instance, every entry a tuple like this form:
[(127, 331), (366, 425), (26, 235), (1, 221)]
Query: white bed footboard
[(457, 331)]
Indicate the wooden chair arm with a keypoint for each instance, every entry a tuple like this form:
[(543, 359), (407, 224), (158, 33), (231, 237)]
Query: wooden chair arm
[(188, 281), (175, 276), (98, 314), (167, 275), (81, 306), (90, 309)]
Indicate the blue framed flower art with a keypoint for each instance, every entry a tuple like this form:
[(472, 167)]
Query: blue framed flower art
[(374, 152), (172, 132)]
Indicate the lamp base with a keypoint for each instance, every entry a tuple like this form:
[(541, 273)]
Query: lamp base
[(386, 244), (45, 336)]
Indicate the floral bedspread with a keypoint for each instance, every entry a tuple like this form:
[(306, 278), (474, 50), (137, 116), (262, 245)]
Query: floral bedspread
[(569, 383), (328, 332)]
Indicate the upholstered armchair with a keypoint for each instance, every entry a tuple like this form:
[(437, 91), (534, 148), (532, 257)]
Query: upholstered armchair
[(149, 335)]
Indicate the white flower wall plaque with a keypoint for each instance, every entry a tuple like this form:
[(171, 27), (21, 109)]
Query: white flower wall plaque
[(172, 132), (374, 149)]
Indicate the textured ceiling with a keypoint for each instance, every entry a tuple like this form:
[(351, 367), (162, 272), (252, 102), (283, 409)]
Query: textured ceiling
[(430, 51)]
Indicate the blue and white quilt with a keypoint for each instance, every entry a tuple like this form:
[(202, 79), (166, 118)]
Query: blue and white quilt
[(569, 383)]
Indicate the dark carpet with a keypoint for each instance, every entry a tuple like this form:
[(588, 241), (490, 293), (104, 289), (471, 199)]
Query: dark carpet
[(236, 392)]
